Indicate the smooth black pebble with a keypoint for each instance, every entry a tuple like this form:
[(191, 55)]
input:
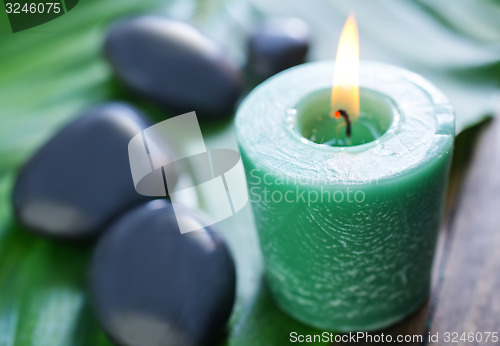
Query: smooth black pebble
[(172, 64), (81, 179), (277, 45), (152, 285)]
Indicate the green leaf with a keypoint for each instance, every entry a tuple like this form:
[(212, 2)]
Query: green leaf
[(43, 299)]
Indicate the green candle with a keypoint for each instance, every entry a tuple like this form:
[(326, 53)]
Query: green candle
[(347, 224)]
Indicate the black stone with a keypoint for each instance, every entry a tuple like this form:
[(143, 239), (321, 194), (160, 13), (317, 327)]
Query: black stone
[(152, 285), (172, 64), (81, 179), (277, 45)]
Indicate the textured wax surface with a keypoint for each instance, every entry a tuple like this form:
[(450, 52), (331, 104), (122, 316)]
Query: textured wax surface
[(424, 132), (348, 235)]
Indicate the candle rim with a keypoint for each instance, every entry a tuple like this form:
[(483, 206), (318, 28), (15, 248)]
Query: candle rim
[(259, 124)]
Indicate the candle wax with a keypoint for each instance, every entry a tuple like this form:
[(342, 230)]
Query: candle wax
[(347, 232), (314, 120)]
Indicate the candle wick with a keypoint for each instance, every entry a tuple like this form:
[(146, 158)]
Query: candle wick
[(345, 115)]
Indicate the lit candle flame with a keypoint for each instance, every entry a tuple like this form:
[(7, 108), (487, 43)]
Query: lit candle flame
[(345, 90)]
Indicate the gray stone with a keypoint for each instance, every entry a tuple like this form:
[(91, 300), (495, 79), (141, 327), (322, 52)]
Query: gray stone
[(172, 64), (277, 45), (80, 179), (152, 285)]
